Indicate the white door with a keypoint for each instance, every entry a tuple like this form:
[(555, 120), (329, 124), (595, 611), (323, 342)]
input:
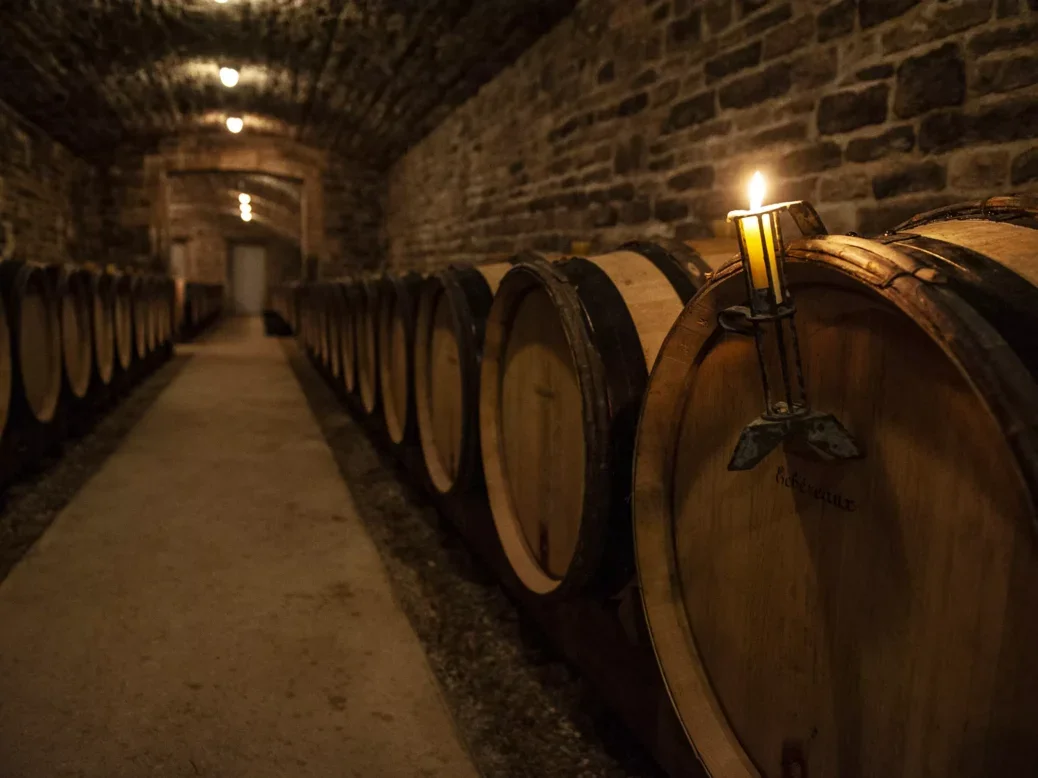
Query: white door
[(249, 279)]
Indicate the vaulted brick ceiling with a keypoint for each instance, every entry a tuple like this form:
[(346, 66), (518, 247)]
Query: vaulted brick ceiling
[(366, 78), (276, 202)]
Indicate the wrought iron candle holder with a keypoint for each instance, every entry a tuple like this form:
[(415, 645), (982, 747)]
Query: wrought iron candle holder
[(770, 317)]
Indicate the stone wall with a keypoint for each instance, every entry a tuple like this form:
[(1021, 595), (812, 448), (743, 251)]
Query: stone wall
[(353, 198), (646, 117), (49, 198)]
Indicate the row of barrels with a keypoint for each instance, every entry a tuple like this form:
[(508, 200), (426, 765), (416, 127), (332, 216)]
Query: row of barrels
[(71, 338), (861, 617), (198, 305)]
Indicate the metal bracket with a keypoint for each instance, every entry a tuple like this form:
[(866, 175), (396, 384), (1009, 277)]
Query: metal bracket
[(820, 435)]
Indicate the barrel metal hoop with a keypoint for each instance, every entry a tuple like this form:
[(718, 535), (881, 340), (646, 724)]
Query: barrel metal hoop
[(470, 299), (606, 563), (683, 267)]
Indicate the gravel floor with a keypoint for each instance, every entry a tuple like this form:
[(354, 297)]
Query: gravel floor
[(31, 503), (521, 709)]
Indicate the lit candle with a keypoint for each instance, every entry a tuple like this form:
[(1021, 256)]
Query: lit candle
[(757, 233)]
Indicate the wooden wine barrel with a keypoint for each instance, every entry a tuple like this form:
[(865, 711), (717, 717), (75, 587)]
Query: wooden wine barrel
[(452, 311), (396, 331), (141, 317), (102, 326), (363, 307), (324, 331), (348, 337), (333, 306), (35, 328), (7, 367), (854, 618), (73, 297), (566, 356), (123, 319)]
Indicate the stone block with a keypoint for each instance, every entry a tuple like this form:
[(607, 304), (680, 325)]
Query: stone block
[(621, 192), (937, 21), (633, 105), (681, 32), (919, 177), (815, 69), (944, 130), (665, 93), (849, 110), (1005, 121), (1006, 75), (789, 37), (844, 186), (783, 133), (1003, 38), (636, 212), (645, 78), (936, 79), (733, 61), (768, 19), (986, 169), (873, 12), (774, 81), (607, 73), (606, 216), (810, 159), (629, 156), (875, 72), (662, 163), (897, 140), (701, 177), (1024, 169), (695, 110), (837, 20), (670, 210), (718, 14)]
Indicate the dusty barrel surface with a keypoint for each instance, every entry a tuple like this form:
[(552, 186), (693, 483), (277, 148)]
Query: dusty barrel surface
[(334, 308), (864, 617), (566, 355), (140, 305), (72, 289), (363, 306), (323, 322), (102, 325), (450, 321), (347, 336), (122, 309), (35, 329), (396, 330)]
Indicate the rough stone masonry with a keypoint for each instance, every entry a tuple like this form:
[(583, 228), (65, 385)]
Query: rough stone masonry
[(646, 117)]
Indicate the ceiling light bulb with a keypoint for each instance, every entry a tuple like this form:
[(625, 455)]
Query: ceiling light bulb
[(221, 2), (235, 124), (229, 77), (246, 216), (244, 198), (246, 208)]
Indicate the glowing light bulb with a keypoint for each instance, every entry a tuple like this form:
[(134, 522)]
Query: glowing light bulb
[(221, 2), (229, 77), (235, 124), (246, 216), (246, 208), (244, 198), (757, 189)]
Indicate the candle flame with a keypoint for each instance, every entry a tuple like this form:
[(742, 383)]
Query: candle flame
[(756, 191)]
